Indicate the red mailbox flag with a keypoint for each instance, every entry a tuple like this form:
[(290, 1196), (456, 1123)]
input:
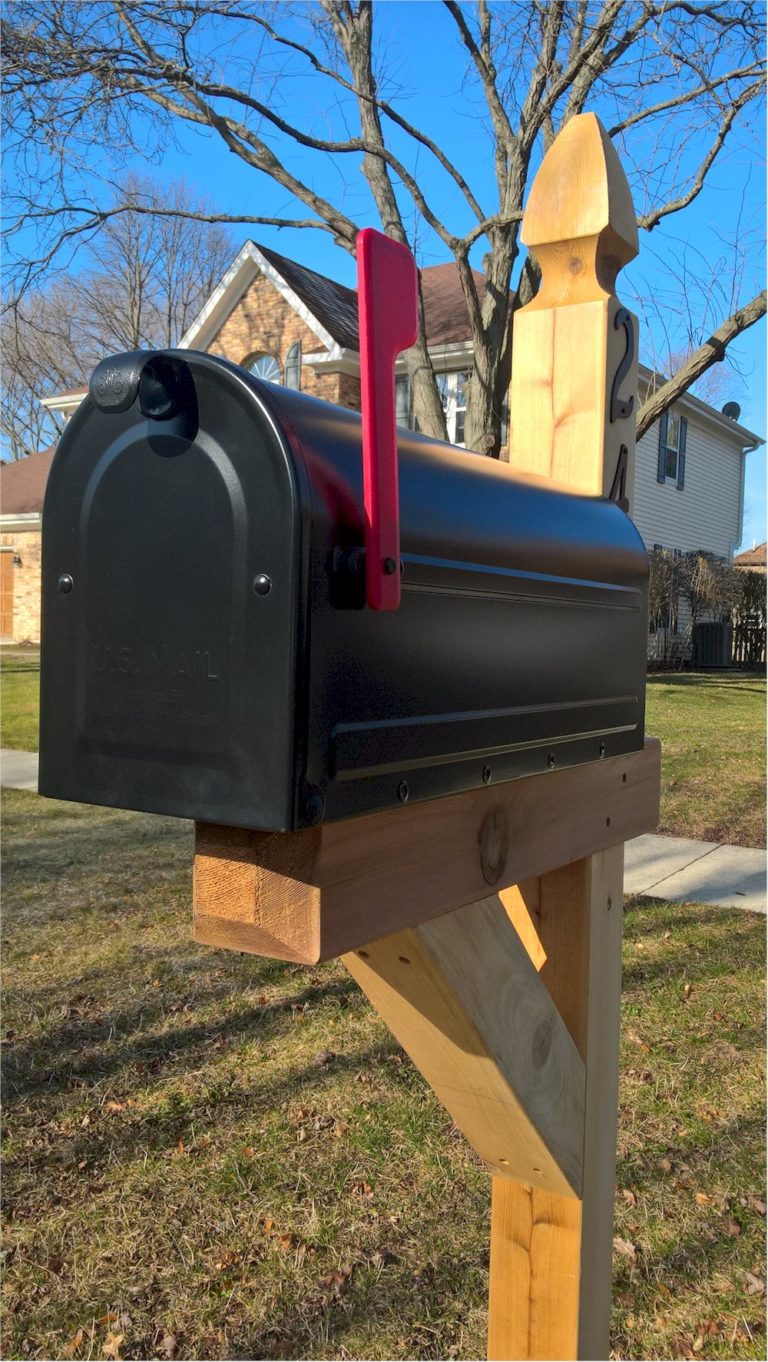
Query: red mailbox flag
[(387, 299)]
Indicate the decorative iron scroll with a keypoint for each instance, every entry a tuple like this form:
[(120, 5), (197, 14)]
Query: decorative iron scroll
[(621, 407)]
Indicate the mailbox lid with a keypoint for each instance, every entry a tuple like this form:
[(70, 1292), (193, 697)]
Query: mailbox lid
[(171, 609)]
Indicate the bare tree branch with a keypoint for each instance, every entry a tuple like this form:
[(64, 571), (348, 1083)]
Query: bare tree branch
[(651, 220), (132, 76), (711, 352)]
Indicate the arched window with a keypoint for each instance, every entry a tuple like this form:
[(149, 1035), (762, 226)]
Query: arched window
[(293, 367), (264, 366)]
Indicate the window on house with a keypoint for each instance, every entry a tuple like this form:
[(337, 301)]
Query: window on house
[(404, 415), (672, 440), (293, 367), (453, 394), (264, 366)]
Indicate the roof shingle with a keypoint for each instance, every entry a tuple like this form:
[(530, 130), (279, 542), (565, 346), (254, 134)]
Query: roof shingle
[(22, 483)]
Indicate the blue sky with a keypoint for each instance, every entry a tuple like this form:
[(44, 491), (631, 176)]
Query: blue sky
[(425, 64)]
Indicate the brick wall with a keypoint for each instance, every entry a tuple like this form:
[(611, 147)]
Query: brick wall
[(264, 322), (26, 584)]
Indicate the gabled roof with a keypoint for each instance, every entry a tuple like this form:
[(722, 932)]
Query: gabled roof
[(22, 483), (333, 305), (328, 308)]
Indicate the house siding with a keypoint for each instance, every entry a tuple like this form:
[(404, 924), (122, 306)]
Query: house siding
[(705, 513)]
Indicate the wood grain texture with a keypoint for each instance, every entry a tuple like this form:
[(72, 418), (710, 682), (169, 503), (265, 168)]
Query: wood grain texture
[(577, 915), (467, 1004), (580, 226), (313, 895), (535, 1269), (550, 1293)]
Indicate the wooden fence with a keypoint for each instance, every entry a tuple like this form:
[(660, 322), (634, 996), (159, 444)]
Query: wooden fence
[(748, 641)]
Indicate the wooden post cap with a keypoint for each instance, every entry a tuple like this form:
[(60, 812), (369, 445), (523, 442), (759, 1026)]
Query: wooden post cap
[(580, 216)]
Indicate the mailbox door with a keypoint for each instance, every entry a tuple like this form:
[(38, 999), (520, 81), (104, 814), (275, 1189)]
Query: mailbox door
[(170, 608)]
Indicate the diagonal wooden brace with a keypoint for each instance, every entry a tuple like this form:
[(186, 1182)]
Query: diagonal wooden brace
[(465, 1001)]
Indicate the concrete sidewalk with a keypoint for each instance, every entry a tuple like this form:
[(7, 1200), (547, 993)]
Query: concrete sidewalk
[(672, 868), (684, 871), (18, 770)]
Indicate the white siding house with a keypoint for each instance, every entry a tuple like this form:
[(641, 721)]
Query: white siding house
[(696, 502)]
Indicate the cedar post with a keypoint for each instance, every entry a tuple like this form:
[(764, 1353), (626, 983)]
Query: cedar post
[(572, 418)]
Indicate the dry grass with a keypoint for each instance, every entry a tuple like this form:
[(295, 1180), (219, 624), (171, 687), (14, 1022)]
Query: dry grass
[(213, 1156)]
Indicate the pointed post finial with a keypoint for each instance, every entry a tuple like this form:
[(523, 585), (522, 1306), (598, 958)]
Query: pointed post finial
[(580, 221), (574, 367)]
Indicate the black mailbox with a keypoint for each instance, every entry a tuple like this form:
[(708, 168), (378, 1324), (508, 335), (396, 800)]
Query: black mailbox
[(207, 648)]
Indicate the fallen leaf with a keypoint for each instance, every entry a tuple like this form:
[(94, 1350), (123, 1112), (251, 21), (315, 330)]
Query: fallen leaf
[(629, 1196), (322, 1058), (698, 1343), (703, 1199), (734, 1228), (249, 1151), (756, 1205), (340, 1128), (383, 1258), (73, 1345), (287, 1242), (755, 1285), (167, 1345), (664, 1165), (623, 1247), (111, 1346), (687, 990)]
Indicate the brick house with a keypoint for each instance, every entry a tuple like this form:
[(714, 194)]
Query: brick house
[(288, 324), (22, 488)]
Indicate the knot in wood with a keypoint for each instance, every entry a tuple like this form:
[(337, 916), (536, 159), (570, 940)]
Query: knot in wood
[(541, 1044), (494, 844)]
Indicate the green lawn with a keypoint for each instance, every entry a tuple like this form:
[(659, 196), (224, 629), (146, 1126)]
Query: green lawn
[(712, 729), (214, 1156), (19, 698)]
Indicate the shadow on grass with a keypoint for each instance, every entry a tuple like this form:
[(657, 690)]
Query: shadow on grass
[(158, 1132), (731, 682), (118, 1039)]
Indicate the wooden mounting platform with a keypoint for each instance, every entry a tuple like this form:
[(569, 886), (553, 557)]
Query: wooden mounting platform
[(312, 895)]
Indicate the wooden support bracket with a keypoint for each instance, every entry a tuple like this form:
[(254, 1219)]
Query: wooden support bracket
[(464, 1000)]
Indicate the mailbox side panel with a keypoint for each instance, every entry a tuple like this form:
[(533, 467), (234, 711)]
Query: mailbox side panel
[(168, 672), (519, 644)]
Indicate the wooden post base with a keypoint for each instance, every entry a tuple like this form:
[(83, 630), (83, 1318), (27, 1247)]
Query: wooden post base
[(550, 1283)]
